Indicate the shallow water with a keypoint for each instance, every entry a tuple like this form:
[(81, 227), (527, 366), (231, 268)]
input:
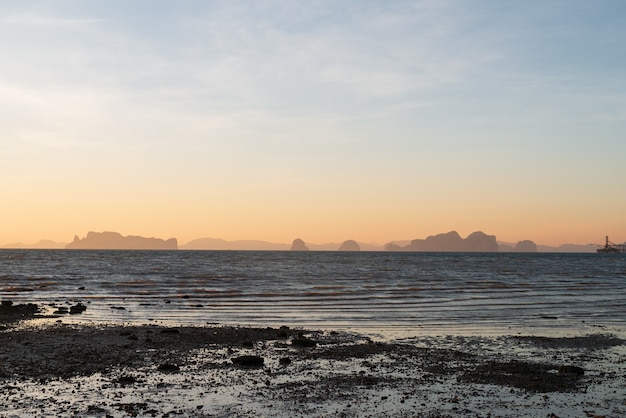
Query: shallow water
[(361, 290)]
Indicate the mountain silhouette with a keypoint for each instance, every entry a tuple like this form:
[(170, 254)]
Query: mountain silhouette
[(350, 245), (450, 242), (299, 245), (221, 244), (115, 241)]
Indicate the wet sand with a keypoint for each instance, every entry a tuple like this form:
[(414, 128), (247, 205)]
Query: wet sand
[(59, 369)]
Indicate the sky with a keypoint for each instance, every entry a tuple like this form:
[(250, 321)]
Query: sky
[(324, 120)]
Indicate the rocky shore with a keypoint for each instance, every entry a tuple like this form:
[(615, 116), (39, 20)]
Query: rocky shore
[(119, 371)]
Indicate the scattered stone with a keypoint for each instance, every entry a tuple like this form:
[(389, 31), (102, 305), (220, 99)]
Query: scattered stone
[(534, 377), (10, 312), (304, 342), (95, 409), (125, 380), (133, 409), (248, 361), (575, 370), (77, 309), (346, 369), (168, 368)]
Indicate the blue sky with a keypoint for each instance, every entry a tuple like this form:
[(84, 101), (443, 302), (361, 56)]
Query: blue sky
[(325, 120)]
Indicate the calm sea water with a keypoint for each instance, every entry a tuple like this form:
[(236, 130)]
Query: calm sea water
[(362, 290)]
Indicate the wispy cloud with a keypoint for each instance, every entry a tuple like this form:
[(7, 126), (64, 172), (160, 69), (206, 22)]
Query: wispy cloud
[(42, 20)]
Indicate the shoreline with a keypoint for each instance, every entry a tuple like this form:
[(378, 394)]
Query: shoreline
[(151, 370)]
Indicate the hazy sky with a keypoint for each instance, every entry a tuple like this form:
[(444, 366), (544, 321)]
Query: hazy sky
[(321, 120)]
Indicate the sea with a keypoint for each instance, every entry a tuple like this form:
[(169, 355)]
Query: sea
[(386, 292)]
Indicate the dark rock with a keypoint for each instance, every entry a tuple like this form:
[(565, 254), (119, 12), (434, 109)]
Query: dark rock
[(170, 331), (168, 368), (284, 361), (125, 380), (78, 308), (133, 409), (574, 370), (303, 342), (95, 409), (534, 377), (248, 361), (10, 312)]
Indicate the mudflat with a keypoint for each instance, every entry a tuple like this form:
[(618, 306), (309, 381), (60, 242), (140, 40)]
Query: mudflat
[(58, 369)]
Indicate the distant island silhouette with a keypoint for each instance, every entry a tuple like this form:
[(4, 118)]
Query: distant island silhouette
[(446, 242), (450, 242), (350, 245), (115, 241), (242, 245), (299, 245), (44, 244)]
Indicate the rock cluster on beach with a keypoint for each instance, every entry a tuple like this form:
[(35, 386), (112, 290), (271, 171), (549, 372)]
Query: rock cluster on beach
[(10, 312)]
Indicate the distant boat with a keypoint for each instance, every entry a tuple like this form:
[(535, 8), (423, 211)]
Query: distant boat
[(610, 248)]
